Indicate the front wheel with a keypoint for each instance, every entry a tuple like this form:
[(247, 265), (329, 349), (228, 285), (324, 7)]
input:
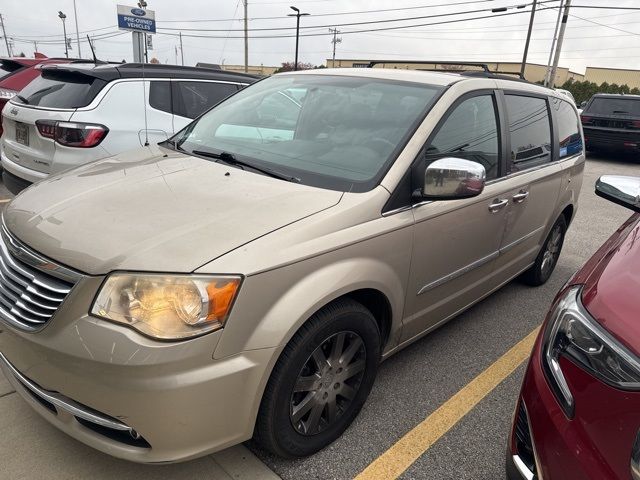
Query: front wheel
[(547, 259), (321, 380)]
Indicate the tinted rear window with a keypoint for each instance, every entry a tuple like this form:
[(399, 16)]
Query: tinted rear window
[(530, 130), (193, 98), (614, 106), (8, 67), (61, 91), (568, 128)]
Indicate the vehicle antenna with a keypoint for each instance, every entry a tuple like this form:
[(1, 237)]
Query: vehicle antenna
[(93, 52)]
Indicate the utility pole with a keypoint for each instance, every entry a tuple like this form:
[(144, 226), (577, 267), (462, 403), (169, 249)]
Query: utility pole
[(553, 44), (181, 50), (63, 17), (563, 27), (526, 45), (335, 40), (4, 34), (246, 35), (35, 47), (297, 15), (75, 14)]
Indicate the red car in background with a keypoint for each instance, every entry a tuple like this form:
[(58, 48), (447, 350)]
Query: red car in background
[(17, 72), (578, 415)]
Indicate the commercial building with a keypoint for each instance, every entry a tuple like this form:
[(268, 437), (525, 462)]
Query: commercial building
[(620, 76), (252, 69)]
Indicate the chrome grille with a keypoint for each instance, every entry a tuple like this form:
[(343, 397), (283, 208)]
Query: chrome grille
[(31, 287)]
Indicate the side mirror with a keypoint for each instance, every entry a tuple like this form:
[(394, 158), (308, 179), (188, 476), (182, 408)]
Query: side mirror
[(583, 104), (619, 189), (450, 178)]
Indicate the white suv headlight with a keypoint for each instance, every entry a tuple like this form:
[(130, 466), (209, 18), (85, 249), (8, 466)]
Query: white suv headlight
[(167, 307)]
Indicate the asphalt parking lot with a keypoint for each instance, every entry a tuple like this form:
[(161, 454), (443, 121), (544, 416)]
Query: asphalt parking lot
[(411, 386)]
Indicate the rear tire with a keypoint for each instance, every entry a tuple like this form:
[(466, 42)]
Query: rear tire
[(321, 380), (547, 259)]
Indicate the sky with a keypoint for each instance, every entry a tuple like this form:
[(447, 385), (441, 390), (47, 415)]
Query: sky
[(595, 37)]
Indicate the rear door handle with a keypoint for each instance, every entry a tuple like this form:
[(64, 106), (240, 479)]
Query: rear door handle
[(520, 196), (498, 204)]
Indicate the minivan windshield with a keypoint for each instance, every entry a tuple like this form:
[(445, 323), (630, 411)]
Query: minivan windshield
[(336, 132), (615, 106)]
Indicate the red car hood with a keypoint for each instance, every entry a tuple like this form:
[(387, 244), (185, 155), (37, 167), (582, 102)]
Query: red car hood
[(612, 284)]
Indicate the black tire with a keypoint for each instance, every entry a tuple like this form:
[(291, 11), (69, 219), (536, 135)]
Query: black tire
[(547, 259), (275, 428)]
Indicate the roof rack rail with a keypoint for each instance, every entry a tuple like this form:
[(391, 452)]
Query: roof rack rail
[(484, 66), (500, 75)]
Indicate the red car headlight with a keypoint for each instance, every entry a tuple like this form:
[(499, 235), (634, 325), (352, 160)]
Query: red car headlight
[(572, 333)]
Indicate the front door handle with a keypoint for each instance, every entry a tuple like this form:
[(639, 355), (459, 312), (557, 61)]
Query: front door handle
[(498, 204), (520, 196)]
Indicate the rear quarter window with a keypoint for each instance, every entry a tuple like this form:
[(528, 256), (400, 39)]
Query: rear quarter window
[(614, 106), (190, 99), (61, 91), (569, 136)]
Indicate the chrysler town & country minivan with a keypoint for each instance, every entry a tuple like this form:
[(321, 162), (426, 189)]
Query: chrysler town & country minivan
[(246, 277)]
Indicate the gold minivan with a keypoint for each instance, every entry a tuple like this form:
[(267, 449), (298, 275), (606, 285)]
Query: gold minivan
[(246, 277)]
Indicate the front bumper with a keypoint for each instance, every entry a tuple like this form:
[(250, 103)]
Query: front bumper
[(132, 397)]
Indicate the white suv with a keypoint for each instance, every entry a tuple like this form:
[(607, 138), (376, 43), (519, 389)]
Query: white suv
[(75, 114)]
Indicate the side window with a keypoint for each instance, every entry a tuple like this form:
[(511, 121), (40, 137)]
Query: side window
[(568, 129), (530, 131), (193, 98), (160, 96), (470, 132)]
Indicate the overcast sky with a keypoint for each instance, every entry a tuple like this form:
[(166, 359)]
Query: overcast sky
[(497, 38)]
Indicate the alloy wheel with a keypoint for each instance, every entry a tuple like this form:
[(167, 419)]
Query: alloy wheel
[(552, 252), (328, 383)]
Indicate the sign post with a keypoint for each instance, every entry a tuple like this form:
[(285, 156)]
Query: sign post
[(139, 22)]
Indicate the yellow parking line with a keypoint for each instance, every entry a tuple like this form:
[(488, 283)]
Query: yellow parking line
[(417, 441)]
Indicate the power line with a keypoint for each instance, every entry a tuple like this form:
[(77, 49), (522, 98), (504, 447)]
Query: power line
[(368, 22), (383, 10)]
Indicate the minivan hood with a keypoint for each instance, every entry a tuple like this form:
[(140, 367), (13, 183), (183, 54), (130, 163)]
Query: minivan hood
[(154, 209)]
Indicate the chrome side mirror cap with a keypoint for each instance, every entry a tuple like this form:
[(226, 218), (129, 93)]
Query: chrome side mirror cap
[(620, 189), (450, 178)]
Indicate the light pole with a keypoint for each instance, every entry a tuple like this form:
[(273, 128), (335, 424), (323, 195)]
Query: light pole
[(297, 15), (63, 17), (75, 14)]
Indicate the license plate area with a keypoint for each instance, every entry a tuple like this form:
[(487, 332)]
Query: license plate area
[(22, 133)]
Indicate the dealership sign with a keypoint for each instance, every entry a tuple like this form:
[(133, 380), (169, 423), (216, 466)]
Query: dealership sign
[(136, 19)]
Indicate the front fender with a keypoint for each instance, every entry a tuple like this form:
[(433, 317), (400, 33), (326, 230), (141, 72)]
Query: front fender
[(272, 306)]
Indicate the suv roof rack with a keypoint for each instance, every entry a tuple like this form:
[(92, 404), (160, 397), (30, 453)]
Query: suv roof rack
[(485, 72), (499, 75), (484, 66)]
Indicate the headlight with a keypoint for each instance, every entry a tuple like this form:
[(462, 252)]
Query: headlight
[(572, 333), (168, 307)]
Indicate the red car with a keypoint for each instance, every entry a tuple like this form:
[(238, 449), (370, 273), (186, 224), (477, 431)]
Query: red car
[(17, 72), (578, 415)]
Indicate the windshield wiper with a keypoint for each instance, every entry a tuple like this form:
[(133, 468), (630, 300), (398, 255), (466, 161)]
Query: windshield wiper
[(22, 99), (231, 159), (458, 148)]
